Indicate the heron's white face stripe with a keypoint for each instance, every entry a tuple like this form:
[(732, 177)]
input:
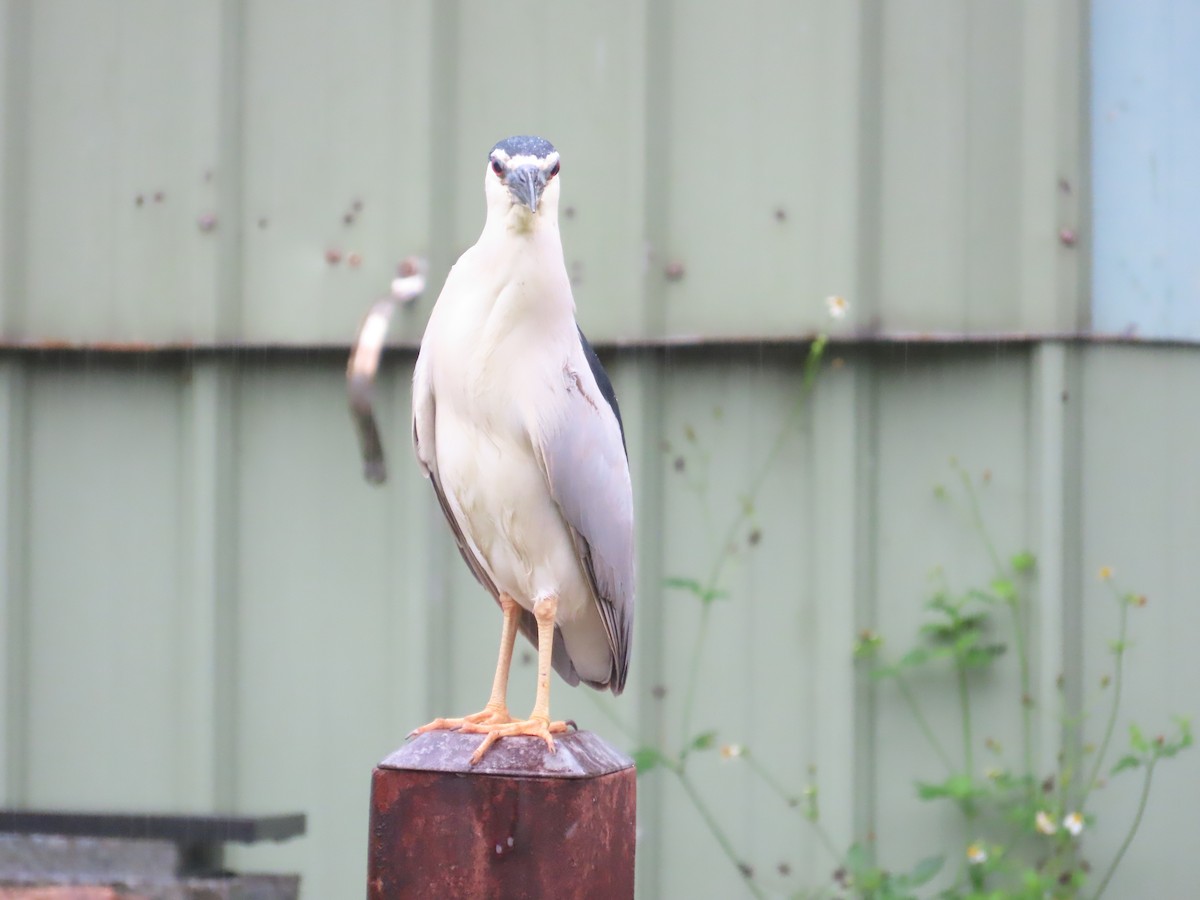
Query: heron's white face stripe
[(522, 159)]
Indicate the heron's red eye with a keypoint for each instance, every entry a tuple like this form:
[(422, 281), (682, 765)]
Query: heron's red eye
[(497, 168), (554, 171)]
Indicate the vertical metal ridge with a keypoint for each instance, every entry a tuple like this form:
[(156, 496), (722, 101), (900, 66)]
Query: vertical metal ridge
[(649, 496), (227, 321), (14, 418), (1064, 471), (207, 624), (866, 591), (14, 589), (1073, 96), (870, 162), (657, 61), (14, 165), (656, 189), (866, 402), (1056, 622), (443, 136)]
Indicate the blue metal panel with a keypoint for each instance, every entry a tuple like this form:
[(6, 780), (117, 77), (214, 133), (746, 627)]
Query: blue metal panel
[(1145, 130)]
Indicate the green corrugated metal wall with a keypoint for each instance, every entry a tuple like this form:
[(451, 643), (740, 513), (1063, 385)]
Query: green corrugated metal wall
[(203, 604)]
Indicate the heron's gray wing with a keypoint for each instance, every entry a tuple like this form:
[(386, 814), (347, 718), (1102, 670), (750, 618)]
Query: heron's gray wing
[(587, 471), (423, 443)]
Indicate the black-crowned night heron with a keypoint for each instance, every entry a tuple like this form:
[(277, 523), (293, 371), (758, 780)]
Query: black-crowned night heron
[(516, 425)]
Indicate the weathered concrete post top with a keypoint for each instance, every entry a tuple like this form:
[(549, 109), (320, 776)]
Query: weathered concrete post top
[(520, 823)]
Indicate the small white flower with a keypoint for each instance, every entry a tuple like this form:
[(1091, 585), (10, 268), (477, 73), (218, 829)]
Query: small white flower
[(1073, 823), (977, 854), (731, 751), (838, 306), (1044, 823)]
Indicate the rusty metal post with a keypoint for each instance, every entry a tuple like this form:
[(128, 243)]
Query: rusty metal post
[(521, 823)]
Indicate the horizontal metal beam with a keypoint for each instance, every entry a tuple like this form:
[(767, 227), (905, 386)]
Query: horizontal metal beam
[(252, 349)]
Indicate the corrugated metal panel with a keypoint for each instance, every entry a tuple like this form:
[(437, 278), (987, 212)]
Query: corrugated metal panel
[(1145, 122), (105, 105), (906, 156), (218, 613), (1141, 424)]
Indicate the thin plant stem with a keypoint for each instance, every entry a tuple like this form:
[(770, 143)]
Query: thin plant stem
[(964, 700), (1116, 702), (770, 780), (725, 551), (1137, 821), (714, 826), (791, 800), (811, 370), (694, 670), (1014, 604), (923, 723), (1023, 665), (977, 520)]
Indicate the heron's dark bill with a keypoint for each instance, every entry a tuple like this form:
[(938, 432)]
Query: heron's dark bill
[(526, 184)]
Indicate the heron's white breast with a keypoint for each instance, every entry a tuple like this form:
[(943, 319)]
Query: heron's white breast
[(497, 375)]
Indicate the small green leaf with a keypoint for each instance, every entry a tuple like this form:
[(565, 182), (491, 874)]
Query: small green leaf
[(691, 585), (916, 657), (966, 642), (1185, 730), (1126, 762), (956, 787), (646, 759), (867, 645), (704, 741), (1023, 562), (1004, 589), (857, 860), (926, 870), (978, 657), (931, 791), (961, 786), (1136, 740)]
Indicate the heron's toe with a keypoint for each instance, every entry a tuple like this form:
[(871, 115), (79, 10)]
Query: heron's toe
[(486, 717), (535, 726)]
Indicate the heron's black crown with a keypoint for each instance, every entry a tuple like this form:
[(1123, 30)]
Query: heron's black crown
[(524, 145)]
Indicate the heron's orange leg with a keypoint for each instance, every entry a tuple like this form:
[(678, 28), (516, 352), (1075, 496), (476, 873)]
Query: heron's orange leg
[(496, 710), (538, 724)]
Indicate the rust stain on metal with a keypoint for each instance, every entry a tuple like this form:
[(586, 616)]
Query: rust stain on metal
[(534, 830)]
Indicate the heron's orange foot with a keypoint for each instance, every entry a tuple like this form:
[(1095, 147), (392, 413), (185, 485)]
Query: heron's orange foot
[(535, 726), (488, 716)]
